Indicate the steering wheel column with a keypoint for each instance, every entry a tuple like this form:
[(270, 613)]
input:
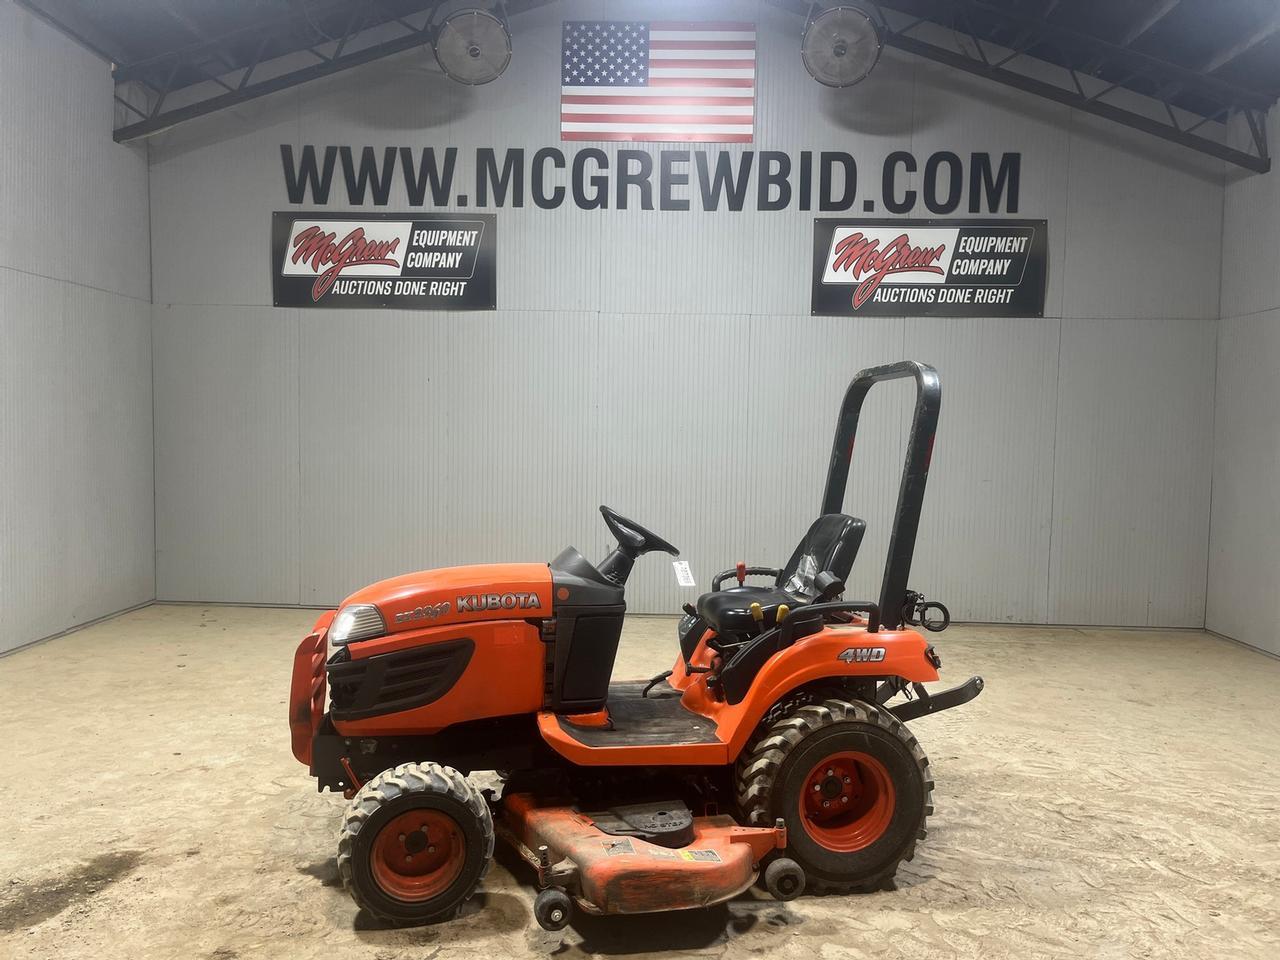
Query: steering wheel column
[(634, 541)]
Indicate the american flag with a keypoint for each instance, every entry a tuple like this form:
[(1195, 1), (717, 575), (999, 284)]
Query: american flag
[(626, 80)]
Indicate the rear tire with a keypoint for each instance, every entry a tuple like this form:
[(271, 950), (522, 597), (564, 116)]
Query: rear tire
[(415, 843), (852, 785)]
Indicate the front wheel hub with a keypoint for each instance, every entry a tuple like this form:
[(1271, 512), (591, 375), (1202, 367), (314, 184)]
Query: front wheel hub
[(418, 855)]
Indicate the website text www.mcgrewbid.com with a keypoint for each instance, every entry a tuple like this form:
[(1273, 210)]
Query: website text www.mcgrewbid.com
[(676, 179)]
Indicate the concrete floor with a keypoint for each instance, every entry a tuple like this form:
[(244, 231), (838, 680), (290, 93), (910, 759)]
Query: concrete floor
[(1112, 794)]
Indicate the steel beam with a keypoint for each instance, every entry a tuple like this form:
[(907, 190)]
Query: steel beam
[(1230, 54), (970, 17), (286, 24), (1259, 162), (84, 30), (1155, 13), (163, 120), (1036, 30), (1144, 63)]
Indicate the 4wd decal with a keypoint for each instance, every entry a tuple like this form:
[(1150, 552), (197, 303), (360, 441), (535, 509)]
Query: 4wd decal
[(861, 655)]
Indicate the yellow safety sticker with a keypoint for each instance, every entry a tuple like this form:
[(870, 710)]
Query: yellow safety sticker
[(707, 856)]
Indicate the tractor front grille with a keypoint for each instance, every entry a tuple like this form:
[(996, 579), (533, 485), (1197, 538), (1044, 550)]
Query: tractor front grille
[(391, 682)]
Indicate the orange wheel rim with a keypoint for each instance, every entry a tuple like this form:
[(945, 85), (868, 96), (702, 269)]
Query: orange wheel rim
[(418, 855), (847, 802)]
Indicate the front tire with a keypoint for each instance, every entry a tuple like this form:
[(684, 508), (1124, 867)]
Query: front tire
[(852, 785), (415, 843)]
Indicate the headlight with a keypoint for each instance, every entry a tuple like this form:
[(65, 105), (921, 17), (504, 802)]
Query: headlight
[(360, 621)]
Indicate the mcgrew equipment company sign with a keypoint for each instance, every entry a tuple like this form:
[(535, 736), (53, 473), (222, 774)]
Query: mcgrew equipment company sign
[(420, 261), (958, 268)]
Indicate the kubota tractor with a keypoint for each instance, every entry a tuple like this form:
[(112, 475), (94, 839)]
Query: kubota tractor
[(775, 748)]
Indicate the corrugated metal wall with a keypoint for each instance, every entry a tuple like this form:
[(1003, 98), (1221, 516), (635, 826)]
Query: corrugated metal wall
[(1244, 557), (666, 364), (76, 517)]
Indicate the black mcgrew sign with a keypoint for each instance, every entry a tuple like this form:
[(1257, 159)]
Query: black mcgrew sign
[(962, 268), (405, 261)]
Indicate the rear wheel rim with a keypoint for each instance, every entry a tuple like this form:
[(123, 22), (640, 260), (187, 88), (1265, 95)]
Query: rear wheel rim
[(418, 855), (847, 801)]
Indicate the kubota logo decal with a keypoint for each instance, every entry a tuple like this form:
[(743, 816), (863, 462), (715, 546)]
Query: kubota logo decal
[(498, 601), (861, 655)]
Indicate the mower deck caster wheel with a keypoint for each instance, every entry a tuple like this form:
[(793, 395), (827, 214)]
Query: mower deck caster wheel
[(552, 909), (784, 879)]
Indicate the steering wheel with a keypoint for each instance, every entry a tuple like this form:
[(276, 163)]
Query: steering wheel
[(633, 538)]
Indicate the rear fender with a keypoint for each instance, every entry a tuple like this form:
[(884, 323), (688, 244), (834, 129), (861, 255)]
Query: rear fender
[(836, 652)]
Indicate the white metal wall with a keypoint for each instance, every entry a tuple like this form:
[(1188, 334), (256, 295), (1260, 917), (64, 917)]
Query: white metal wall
[(666, 364), (76, 516), (1244, 556)]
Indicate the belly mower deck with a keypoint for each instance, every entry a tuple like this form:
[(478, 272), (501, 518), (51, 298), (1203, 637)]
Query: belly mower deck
[(614, 873)]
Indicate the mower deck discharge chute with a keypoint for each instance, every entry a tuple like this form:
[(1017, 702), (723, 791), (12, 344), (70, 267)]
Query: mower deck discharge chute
[(775, 748)]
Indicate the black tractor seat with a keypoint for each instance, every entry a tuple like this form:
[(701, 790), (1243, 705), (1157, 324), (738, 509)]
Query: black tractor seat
[(729, 611), (825, 555)]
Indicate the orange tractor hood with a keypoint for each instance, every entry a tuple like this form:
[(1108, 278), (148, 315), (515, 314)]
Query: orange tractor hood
[(485, 591)]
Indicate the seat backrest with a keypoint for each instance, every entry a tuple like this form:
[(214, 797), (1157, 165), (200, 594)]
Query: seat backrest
[(830, 546)]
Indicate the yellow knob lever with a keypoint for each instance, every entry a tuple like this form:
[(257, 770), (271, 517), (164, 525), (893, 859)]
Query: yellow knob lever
[(783, 610), (757, 614)]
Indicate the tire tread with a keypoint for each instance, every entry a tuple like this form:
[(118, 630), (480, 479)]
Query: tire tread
[(410, 778), (760, 764)]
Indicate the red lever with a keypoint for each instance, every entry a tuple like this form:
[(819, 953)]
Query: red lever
[(742, 572)]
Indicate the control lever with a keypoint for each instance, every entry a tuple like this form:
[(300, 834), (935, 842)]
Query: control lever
[(741, 569), (757, 614), (783, 610)]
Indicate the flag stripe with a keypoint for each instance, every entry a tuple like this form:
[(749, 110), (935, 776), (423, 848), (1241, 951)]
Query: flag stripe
[(638, 119), (639, 95), (667, 35), (722, 104), (743, 128), (701, 44), (727, 68), (700, 25), (634, 110), (668, 73), (659, 137), (718, 58), (745, 84)]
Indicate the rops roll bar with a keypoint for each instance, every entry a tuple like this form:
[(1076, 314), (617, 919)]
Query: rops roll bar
[(915, 471)]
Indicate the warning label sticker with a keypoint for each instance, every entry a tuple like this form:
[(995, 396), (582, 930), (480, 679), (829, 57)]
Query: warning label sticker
[(617, 847), (706, 856)]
